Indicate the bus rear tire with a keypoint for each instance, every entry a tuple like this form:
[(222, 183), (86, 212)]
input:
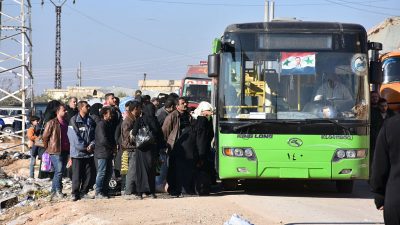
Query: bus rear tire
[(344, 186), (229, 185)]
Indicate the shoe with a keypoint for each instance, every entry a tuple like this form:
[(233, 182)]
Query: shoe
[(74, 198), (128, 197), (52, 196), (177, 195), (86, 196), (139, 197), (56, 196), (60, 195), (100, 196), (153, 196)]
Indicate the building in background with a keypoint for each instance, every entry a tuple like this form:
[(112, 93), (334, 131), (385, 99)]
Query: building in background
[(154, 87)]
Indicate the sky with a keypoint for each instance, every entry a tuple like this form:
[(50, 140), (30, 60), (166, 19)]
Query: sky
[(118, 41)]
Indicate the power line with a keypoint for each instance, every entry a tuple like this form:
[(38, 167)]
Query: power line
[(127, 64), (371, 6), (244, 5), (358, 9), (128, 35)]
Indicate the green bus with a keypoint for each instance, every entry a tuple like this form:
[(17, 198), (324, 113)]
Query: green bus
[(292, 101)]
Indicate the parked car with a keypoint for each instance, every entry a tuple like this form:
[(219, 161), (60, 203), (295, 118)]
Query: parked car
[(8, 115)]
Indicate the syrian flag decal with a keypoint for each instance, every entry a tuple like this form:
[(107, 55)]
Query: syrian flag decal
[(298, 63)]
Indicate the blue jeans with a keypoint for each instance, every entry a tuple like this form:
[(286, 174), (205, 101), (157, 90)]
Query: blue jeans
[(59, 162), (104, 173), (34, 153)]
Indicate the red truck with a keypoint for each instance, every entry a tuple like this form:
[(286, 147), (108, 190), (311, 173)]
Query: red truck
[(196, 85)]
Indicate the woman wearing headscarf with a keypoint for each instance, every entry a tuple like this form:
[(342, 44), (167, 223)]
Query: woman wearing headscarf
[(146, 157), (204, 134)]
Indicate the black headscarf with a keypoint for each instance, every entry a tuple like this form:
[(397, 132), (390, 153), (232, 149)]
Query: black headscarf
[(95, 109), (51, 110), (149, 118)]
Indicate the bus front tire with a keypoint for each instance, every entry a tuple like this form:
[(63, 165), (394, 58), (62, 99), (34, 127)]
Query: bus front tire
[(344, 186), (229, 185)]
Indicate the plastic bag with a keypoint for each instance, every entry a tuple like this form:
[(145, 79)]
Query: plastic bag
[(144, 137), (46, 163)]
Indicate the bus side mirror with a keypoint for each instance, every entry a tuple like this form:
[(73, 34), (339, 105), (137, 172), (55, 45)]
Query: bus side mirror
[(213, 65), (375, 72), (375, 65)]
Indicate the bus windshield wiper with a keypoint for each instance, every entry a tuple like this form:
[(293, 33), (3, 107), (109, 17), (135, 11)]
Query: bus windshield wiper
[(316, 121), (254, 123)]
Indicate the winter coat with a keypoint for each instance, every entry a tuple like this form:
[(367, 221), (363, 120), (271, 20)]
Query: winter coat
[(161, 114), (171, 128), (52, 137), (128, 143), (385, 179), (81, 135), (31, 133), (204, 135), (104, 140), (70, 113), (95, 117)]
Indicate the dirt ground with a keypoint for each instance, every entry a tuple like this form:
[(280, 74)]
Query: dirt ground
[(17, 167), (187, 210)]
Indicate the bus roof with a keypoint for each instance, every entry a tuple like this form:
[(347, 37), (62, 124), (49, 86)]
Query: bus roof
[(390, 55), (295, 26)]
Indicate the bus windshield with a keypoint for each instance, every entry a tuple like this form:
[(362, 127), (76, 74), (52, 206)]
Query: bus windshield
[(197, 90), (391, 70), (294, 84)]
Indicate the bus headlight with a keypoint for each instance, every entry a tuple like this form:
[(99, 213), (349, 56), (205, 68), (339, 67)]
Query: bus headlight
[(340, 154), (349, 154), (248, 152), (239, 152)]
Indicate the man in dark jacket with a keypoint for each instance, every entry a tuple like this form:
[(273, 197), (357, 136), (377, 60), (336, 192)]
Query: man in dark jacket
[(176, 130), (81, 134), (72, 110), (163, 112), (378, 116), (115, 123), (104, 149), (385, 179)]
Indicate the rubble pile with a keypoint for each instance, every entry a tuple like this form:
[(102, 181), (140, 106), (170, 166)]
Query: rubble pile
[(19, 192), (7, 158)]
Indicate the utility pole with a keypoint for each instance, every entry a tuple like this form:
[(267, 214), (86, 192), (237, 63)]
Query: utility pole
[(79, 74), (58, 77), (144, 81)]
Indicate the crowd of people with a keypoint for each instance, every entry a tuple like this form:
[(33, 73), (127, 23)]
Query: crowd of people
[(151, 146)]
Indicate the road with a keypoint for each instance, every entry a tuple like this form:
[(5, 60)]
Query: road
[(290, 203)]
